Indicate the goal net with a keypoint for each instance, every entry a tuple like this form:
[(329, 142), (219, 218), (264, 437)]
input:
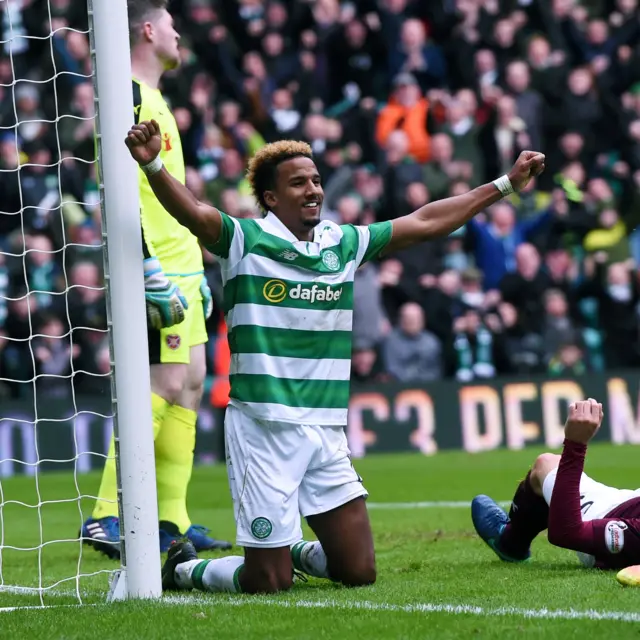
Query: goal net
[(56, 368)]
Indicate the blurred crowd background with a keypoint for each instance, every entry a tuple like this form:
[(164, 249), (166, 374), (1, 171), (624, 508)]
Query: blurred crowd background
[(404, 102)]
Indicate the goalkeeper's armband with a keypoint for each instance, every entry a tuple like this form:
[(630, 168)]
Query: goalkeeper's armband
[(165, 303)]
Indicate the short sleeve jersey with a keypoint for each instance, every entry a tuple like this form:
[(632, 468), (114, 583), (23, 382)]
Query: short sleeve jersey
[(289, 309)]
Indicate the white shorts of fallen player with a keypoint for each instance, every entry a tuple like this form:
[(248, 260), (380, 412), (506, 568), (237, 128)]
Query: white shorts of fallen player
[(279, 472), (596, 501)]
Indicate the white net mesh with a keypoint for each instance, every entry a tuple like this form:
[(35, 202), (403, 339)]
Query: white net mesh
[(55, 392)]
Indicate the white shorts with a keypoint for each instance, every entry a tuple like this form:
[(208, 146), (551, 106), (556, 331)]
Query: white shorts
[(596, 501), (278, 472)]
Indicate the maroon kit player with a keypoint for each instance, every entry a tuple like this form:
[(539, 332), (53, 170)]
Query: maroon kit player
[(600, 523)]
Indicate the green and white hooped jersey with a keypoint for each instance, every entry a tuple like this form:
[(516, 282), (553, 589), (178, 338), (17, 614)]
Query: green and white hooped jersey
[(289, 307)]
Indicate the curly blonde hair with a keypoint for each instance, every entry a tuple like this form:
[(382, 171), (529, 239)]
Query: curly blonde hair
[(262, 169)]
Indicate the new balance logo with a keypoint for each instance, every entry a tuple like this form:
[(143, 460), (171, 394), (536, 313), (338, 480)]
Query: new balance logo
[(287, 254)]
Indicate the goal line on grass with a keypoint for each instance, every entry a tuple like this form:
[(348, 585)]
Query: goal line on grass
[(425, 608), (421, 608)]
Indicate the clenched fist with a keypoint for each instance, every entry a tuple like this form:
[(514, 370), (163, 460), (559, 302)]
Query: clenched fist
[(528, 165), (144, 141), (584, 420)]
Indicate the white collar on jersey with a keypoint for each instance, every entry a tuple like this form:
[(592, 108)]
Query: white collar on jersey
[(273, 224)]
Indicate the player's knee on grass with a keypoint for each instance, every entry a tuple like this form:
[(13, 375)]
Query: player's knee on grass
[(265, 580), (542, 467), (345, 535), (360, 573), (355, 566), (266, 572), (168, 380)]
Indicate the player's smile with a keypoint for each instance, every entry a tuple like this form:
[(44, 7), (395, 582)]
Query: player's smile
[(311, 201), (310, 212), (312, 206)]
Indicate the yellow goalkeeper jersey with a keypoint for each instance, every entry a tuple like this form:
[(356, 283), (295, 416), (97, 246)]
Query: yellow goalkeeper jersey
[(163, 236)]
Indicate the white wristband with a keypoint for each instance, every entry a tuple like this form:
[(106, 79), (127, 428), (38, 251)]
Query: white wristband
[(504, 186), (153, 167)]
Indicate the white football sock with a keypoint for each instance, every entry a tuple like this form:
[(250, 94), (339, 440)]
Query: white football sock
[(310, 558), (210, 575)]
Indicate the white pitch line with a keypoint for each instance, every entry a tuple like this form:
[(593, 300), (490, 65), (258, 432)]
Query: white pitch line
[(35, 591), (427, 505), (426, 608), (421, 607), (46, 606)]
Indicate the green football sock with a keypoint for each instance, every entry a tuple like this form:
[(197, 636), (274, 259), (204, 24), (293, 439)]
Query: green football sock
[(221, 575), (310, 558)]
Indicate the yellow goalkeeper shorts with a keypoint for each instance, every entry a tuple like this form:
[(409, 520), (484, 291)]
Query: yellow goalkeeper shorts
[(173, 344)]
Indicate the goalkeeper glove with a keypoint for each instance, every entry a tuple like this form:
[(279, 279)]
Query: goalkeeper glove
[(165, 303), (207, 298)]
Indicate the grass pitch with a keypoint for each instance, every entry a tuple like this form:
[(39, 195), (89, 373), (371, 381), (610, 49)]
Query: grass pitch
[(436, 579)]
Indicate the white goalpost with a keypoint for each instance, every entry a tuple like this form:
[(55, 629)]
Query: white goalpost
[(52, 430), (140, 574)]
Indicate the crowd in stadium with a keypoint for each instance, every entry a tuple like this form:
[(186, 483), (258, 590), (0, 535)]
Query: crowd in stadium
[(403, 102)]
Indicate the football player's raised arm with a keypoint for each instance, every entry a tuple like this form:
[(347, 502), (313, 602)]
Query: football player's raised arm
[(204, 221), (201, 219), (566, 527), (442, 217), (615, 542)]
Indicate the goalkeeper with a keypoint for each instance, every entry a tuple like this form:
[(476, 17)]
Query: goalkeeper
[(178, 302)]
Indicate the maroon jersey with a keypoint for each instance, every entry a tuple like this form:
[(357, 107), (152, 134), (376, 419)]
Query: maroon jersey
[(614, 541)]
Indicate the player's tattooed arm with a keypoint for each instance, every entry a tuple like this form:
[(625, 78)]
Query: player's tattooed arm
[(442, 217), (144, 142)]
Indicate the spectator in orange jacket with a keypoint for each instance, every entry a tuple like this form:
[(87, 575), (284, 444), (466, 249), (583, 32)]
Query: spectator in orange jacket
[(219, 396), (407, 110)]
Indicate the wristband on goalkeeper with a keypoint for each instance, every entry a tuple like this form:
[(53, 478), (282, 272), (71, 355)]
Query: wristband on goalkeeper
[(165, 303), (207, 298)]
